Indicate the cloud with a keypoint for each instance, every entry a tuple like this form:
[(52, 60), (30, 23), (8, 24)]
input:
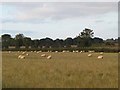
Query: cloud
[(60, 20), (46, 12), (60, 1), (99, 21)]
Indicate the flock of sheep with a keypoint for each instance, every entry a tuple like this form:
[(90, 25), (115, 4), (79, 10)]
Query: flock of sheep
[(99, 57), (24, 54)]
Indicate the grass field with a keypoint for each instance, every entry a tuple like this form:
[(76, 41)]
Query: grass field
[(64, 70)]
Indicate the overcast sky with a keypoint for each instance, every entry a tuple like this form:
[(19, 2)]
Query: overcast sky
[(60, 19)]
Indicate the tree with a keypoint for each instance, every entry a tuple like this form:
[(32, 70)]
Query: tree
[(86, 36), (19, 40), (77, 41), (6, 40), (46, 42), (27, 42), (97, 40), (68, 42), (35, 43), (87, 33), (58, 43)]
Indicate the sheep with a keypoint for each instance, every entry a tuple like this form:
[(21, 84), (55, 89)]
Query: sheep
[(73, 51), (101, 53), (81, 51), (89, 55), (100, 57), (56, 51), (38, 52), (9, 52), (68, 51), (35, 51), (43, 55), (23, 53), (49, 57), (76, 51), (21, 57), (63, 51), (27, 54), (91, 51)]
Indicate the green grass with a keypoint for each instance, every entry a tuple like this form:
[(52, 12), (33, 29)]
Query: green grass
[(64, 70)]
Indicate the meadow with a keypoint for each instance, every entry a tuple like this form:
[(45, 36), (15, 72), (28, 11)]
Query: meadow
[(63, 70)]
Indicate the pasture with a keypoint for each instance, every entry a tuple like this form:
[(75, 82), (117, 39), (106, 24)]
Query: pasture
[(63, 70)]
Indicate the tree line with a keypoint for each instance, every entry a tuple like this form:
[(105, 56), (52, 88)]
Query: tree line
[(84, 39)]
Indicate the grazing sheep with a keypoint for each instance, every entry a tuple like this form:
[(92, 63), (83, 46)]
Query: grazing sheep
[(91, 51), (43, 55), (27, 54), (56, 51), (101, 53), (9, 52), (21, 57), (81, 51), (35, 51), (38, 52), (63, 51), (73, 51), (100, 57), (67, 51), (23, 53), (49, 57), (89, 55), (76, 51)]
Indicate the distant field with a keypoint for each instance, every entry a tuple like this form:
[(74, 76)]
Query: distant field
[(64, 70)]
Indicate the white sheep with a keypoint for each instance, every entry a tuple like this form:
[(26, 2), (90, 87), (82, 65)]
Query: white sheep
[(9, 52), (23, 53), (49, 57), (91, 51), (21, 57), (100, 57), (63, 51), (38, 52), (89, 55), (43, 55), (76, 51), (27, 54), (56, 51), (101, 53), (35, 51), (81, 51)]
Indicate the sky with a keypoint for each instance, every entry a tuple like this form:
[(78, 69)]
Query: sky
[(59, 19)]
